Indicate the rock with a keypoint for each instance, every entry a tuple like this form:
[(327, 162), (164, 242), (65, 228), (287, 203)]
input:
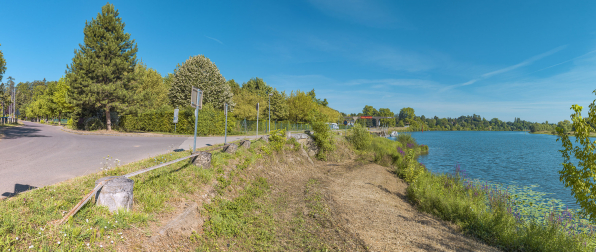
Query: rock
[(230, 148), (265, 138), (203, 160), (183, 224), (245, 144), (116, 193), (299, 136)]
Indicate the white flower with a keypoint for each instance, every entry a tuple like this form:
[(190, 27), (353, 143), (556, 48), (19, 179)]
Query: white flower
[(30, 247), (101, 246), (121, 237), (58, 242), (64, 234), (17, 238), (39, 232), (87, 244), (112, 241), (87, 220)]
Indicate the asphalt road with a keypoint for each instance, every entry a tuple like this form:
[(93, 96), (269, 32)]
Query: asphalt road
[(36, 155)]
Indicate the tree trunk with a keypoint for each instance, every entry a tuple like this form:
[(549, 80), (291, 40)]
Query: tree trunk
[(108, 118), (59, 118)]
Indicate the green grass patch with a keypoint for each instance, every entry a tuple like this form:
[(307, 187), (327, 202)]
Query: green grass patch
[(24, 218)]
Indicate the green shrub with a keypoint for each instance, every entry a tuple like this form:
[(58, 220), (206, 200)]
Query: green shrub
[(323, 138), (70, 124), (210, 121), (360, 138), (277, 139)]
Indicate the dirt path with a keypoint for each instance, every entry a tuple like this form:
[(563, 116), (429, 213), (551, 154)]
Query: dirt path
[(373, 204)]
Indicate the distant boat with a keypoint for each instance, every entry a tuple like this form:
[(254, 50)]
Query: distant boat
[(394, 134)]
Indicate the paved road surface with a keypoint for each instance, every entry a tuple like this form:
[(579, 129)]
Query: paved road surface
[(36, 155)]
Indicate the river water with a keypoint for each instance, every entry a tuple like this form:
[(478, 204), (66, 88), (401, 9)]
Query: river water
[(504, 157)]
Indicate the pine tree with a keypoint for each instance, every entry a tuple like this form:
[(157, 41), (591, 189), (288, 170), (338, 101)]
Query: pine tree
[(102, 71), (2, 65)]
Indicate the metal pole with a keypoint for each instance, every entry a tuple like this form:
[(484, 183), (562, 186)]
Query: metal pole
[(194, 145), (257, 120), (269, 127), (226, 128)]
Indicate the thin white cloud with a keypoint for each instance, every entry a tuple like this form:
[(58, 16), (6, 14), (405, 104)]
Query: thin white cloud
[(214, 39), (365, 12), (507, 69)]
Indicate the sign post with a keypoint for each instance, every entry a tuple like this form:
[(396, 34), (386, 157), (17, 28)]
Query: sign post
[(226, 128), (175, 119), (257, 120), (196, 101)]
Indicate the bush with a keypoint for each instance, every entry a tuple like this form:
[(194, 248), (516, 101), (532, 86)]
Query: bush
[(277, 139), (323, 139), (360, 138), (210, 121), (70, 124)]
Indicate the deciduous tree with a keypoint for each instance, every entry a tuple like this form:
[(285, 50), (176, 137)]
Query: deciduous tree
[(200, 72)]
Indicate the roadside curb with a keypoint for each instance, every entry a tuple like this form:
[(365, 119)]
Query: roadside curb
[(125, 134)]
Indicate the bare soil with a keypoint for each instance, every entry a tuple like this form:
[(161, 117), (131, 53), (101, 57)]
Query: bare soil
[(373, 202)]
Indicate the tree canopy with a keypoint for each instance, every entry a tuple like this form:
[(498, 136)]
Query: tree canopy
[(200, 72), (102, 71), (2, 65)]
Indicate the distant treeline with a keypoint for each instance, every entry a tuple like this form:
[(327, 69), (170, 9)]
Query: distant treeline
[(407, 117)]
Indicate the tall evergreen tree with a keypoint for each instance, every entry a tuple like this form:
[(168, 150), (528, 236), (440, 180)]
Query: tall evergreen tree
[(102, 71), (2, 65)]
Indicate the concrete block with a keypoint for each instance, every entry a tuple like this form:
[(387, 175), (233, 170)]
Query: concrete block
[(203, 159), (230, 148), (116, 193), (265, 138)]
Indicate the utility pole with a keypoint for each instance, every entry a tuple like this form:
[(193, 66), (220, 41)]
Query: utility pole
[(269, 130)]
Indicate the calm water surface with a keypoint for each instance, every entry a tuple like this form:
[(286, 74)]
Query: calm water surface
[(506, 157)]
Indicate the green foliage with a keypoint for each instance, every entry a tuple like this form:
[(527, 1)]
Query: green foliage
[(301, 106), (210, 121), (323, 138), (580, 179), (200, 72), (2, 65), (151, 90), (406, 114), (277, 139), (360, 138), (102, 71)]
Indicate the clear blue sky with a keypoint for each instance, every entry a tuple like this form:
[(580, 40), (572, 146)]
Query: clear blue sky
[(504, 59)]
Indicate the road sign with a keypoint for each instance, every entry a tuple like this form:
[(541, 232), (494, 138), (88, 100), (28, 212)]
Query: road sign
[(196, 98), (366, 117), (345, 122), (175, 115)]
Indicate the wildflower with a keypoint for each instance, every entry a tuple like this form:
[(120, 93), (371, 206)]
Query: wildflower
[(30, 247), (58, 242), (17, 238), (101, 246), (87, 220)]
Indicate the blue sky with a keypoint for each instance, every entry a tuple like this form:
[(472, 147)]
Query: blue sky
[(504, 59)]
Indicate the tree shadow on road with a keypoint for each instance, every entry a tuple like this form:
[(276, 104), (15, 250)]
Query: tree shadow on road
[(18, 188), (19, 132)]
